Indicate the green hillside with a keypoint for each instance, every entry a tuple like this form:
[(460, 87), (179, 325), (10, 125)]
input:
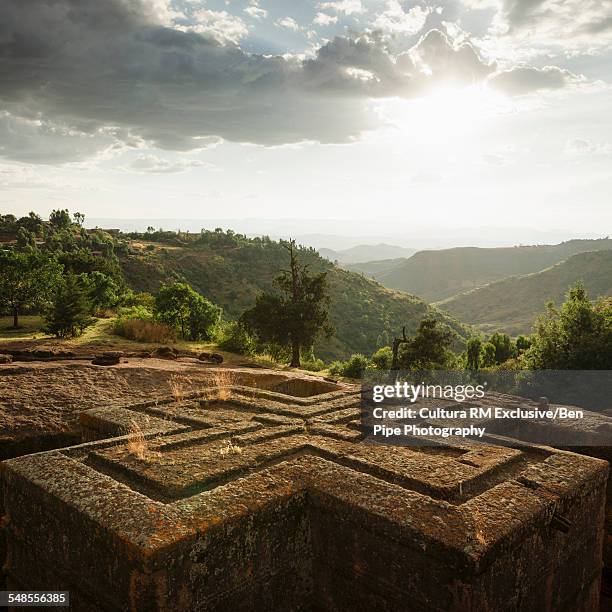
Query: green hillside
[(231, 270), (367, 252), (513, 303), (377, 268), (437, 275)]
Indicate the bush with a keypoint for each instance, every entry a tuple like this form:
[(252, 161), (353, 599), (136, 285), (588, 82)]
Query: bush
[(145, 330), (138, 323), (313, 364), (235, 339), (383, 358), (139, 299), (352, 368), (336, 368), (134, 312)]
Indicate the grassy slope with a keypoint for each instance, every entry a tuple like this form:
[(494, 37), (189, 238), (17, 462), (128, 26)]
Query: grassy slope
[(367, 252), (513, 303), (376, 268), (437, 275), (232, 276), (100, 337)]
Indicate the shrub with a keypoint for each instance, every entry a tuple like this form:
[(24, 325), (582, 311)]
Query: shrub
[(139, 299), (313, 364), (145, 330), (235, 339), (354, 367), (336, 368), (134, 312), (138, 323), (383, 358)]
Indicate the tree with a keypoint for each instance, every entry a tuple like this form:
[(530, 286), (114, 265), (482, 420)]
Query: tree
[(487, 356), (203, 317), (102, 290), (472, 353), (179, 306), (79, 218), (522, 343), (297, 315), (578, 336), (69, 314), (397, 342), (33, 223), (429, 348), (236, 339), (26, 240), (27, 280), (60, 219), (504, 348)]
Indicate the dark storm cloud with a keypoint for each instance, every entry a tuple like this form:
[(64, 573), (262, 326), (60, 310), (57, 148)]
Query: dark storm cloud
[(80, 76)]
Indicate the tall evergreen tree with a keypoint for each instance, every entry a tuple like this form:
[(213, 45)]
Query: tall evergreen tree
[(295, 316), (428, 349), (69, 315), (472, 353)]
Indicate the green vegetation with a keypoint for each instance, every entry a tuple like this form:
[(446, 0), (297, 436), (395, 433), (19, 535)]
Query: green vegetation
[(30, 327), (27, 280), (293, 318), (227, 268), (382, 359), (354, 367), (153, 288), (69, 314), (231, 270), (512, 304), (473, 351), (438, 275), (178, 305), (578, 336), (429, 349), (235, 338), (102, 291), (59, 270)]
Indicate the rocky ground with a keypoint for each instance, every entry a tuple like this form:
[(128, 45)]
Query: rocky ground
[(45, 397)]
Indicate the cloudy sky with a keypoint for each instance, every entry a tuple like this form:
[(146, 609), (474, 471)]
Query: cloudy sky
[(449, 113)]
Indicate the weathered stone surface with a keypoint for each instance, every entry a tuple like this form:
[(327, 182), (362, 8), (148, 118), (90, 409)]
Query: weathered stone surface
[(6, 358), (211, 357), (165, 352), (107, 359), (590, 435), (249, 499)]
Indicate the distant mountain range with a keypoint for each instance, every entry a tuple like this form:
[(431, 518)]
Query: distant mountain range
[(512, 304), (438, 275), (367, 252)]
